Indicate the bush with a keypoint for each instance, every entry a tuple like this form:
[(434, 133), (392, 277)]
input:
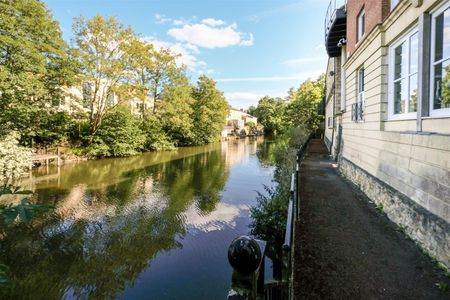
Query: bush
[(270, 214), (155, 136), (119, 135), (13, 158)]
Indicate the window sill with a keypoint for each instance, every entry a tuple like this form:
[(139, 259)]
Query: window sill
[(436, 117), (405, 117)]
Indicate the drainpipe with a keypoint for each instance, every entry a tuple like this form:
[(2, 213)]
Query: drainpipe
[(334, 103)]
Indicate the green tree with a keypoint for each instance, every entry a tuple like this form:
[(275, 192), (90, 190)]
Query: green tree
[(305, 102), (103, 51), (271, 113), (210, 111), (118, 135), (163, 73), (251, 110), (34, 65), (155, 136), (176, 113), (153, 69)]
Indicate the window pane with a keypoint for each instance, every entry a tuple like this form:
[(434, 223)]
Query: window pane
[(442, 36), (360, 80), (414, 53), (400, 94), (413, 93), (401, 61), (439, 37), (441, 97)]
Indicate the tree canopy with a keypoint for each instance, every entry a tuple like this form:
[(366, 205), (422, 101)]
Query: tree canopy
[(210, 111), (300, 108), (34, 65)]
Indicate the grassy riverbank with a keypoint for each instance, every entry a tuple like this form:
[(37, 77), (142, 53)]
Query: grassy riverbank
[(270, 213)]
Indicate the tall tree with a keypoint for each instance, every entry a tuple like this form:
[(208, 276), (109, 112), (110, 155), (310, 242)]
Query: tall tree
[(305, 102), (210, 111), (271, 113), (103, 45), (34, 65), (153, 70), (176, 113)]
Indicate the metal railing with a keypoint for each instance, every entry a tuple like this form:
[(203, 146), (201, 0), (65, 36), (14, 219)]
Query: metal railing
[(293, 212), (358, 111), (331, 13)]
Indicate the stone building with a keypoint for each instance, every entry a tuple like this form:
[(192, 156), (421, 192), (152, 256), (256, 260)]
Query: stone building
[(388, 109)]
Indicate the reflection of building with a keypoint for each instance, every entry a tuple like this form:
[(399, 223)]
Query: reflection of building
[(236, 151), (77, 99), (388, 112)]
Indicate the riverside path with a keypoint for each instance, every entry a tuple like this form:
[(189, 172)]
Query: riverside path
[(345, 248)]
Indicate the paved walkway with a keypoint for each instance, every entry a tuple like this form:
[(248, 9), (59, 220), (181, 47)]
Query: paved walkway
[(346, 249)]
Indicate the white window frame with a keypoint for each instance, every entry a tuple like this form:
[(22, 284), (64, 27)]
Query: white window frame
[(360, 99), (361, 25), (441, 111), (404, 39)]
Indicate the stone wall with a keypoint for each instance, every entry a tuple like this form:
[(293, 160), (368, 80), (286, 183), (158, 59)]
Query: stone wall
[(428, 230)]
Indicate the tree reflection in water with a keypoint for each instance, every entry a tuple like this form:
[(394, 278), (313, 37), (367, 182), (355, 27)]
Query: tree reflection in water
[(110, 225)]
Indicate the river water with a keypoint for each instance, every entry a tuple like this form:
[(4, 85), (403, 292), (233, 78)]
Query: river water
[(153, 226)]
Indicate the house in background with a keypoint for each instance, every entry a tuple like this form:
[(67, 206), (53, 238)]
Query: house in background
[(237, 120), (77, 99), (388, 109)]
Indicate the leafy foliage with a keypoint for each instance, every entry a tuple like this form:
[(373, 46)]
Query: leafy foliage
[(176, 113), (301, 108), (102, 46), (119, 135), (34, 65), (210, 111), (270, 214), (304, 103), (13, 158), (271, 113), (155, 137)]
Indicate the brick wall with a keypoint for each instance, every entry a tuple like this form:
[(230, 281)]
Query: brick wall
[(375, 12)]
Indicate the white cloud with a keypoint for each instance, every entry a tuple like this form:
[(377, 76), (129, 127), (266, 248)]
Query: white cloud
[(185, 52), (212, 36), (246, 99), (162, 19), (179, 22), (243, 99), (223, 217), (213, 22)]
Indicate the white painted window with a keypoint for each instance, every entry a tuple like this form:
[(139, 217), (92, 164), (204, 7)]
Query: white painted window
[(358, 107), (440, 62), (403, 76), (361, 25)]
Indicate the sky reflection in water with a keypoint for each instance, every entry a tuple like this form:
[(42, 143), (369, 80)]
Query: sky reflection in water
[(153, 226)]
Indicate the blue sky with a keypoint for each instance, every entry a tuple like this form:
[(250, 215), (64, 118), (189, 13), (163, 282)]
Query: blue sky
[(251, 48)]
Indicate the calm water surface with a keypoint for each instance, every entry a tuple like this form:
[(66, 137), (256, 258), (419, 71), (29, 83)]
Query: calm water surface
[(153, 226)]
